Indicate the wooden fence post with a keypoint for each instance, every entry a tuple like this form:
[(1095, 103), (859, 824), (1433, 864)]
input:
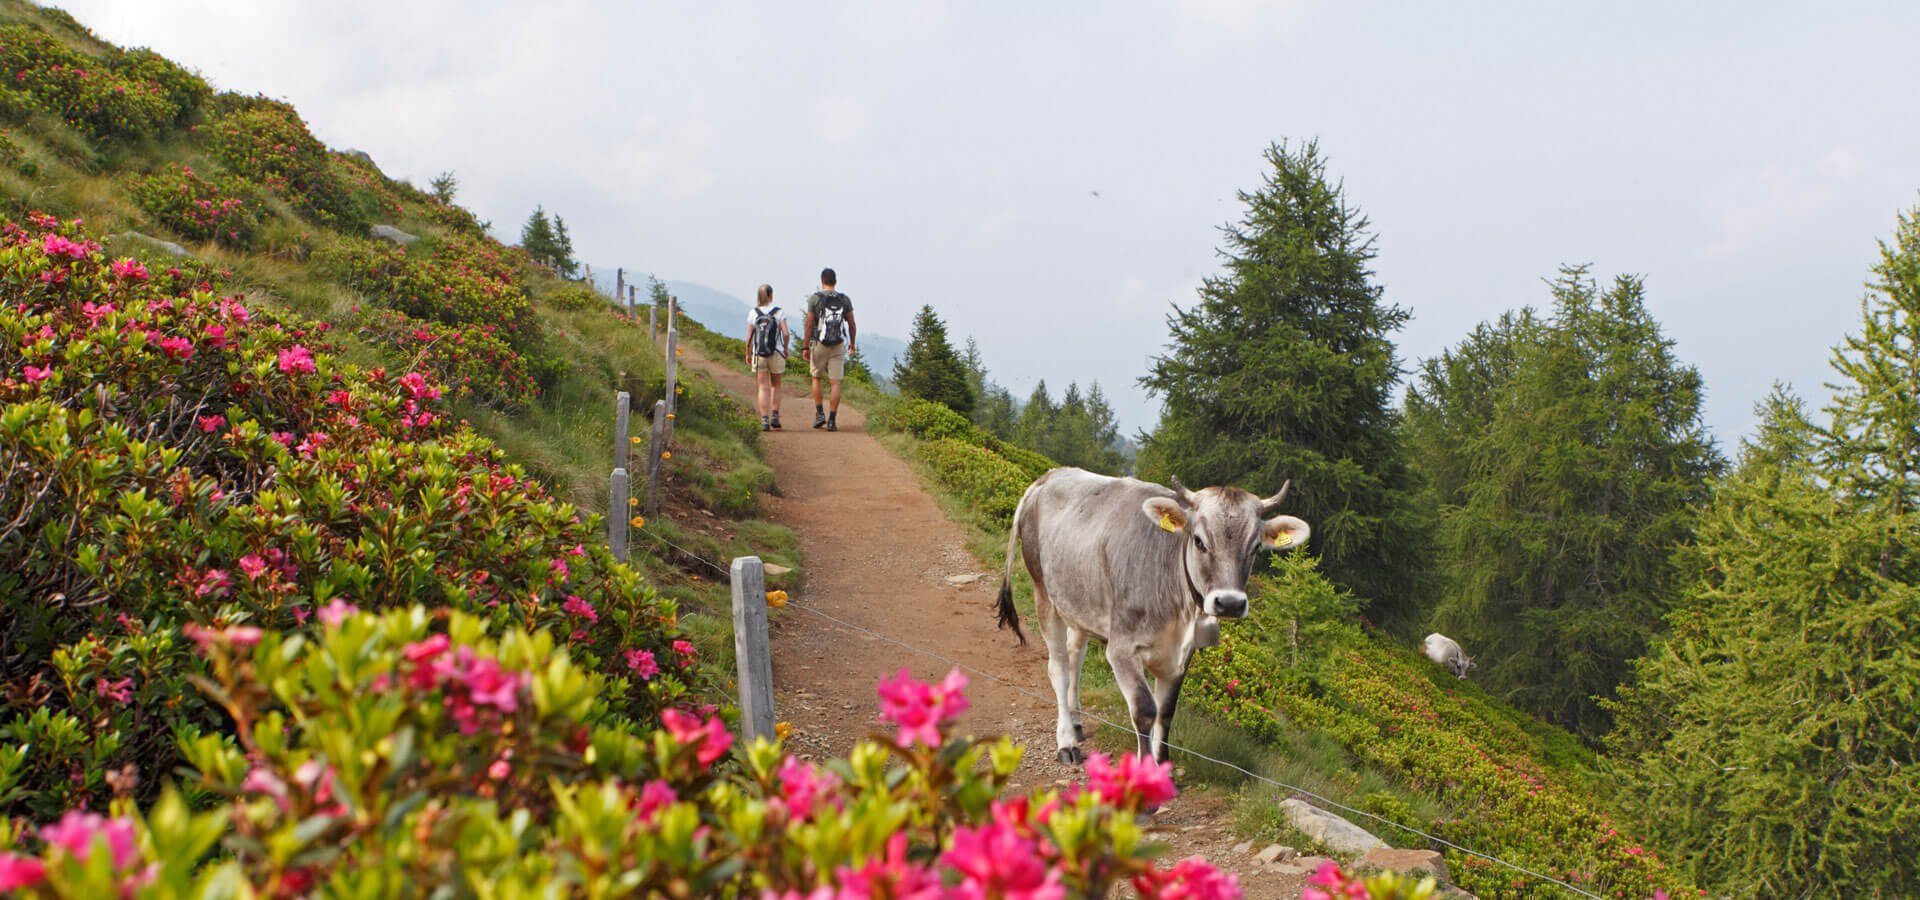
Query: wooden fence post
[(622, 404), (617, 512), (653, 327), (619, 285), (752, 648), (656, 446), (673, 381)]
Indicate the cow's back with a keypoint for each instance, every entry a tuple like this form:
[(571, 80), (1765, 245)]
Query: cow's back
[(1103, 564)]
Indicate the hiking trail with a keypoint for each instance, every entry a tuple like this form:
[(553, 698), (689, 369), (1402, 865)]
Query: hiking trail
[(879, 553)]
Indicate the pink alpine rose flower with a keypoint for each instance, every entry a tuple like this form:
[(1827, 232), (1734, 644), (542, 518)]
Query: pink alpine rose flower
[(211, 424), (922, 709), (336, 612), (1136, 782), (642, 663), (711, 737), (20, 872), (129, 270), (36, 373), (296, 359), (892, 875), (120, 692), (1192, 878), (995, 861), (78, 832), (654, 797), (575, 605)]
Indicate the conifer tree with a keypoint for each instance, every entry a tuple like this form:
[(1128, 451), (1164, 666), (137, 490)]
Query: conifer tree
[(1036, 419), (537, 238), (563, 262), (1565, 455), (931, 370), (1773, 735), (1285, 369)]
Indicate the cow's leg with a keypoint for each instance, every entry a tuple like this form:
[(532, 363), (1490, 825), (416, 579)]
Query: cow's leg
[(1056, 632), (1077, 645), (1166, 694), (1132, 681)]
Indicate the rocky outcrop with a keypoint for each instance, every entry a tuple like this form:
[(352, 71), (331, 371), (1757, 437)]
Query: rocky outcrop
[(390, 233), (1331, 831), (168, 247)]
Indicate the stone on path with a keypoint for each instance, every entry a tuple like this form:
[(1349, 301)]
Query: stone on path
[(1405, 861), (1275, 853), (1334, 833), (1305, 865), (390, 233), (958, 580), (775, 569), (168, 247)]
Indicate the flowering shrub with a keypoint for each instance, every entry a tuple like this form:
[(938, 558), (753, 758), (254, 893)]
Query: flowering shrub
[(123, 97), (574, 296), (1386, 706), (455, 281), (266, 141), (175, 457), (198, 207), (468, 360), (396, 754), (1330, 882)]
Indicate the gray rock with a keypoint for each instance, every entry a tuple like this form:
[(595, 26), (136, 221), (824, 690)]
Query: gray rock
[(1243, 847), (960, 580), (360, 155), (1334, 833), (1405, 861), (1305, 865), (168, 247), (1275, 853), (390, 233)]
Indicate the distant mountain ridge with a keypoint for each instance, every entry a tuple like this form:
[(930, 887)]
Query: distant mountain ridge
[(727, 314)]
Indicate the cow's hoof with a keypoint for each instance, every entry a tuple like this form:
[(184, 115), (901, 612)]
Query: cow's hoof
[(1079, 733), (1072, 756)]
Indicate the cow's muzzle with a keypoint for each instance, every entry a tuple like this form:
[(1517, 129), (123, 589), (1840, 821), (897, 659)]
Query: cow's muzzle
[(1226, 604)]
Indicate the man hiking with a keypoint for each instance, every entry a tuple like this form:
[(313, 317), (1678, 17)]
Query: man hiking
[(829, 341), (767, 354)]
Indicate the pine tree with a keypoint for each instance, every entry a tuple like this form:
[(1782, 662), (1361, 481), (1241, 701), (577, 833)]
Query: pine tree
[(444, 186), (563, 262), (931, 370), (1035, 427), (1564, 455), (1773, 734), (1284, 370), (537, 238)]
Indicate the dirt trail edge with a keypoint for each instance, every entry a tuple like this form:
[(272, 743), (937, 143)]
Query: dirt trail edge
[(880, 555)]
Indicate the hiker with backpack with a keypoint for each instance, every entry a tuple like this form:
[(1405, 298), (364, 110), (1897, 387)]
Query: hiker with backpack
[(767, 339), (829, 341)]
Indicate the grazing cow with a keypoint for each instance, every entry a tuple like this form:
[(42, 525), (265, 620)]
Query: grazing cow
[(1148, 570), (1443, 650)]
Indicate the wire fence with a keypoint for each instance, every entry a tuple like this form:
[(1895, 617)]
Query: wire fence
[(1130, 732)]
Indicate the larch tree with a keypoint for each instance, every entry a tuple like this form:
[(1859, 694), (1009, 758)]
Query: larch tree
[(1285, 370)]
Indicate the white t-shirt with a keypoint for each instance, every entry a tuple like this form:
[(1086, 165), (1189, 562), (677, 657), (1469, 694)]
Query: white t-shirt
[(753, 315)]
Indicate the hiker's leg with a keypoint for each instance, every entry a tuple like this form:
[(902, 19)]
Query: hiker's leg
[(833, 402)]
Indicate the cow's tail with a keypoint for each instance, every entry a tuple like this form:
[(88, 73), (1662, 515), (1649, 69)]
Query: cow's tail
[(1008, 615)]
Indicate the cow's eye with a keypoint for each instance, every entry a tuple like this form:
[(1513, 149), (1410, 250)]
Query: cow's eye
[(1197, 542)]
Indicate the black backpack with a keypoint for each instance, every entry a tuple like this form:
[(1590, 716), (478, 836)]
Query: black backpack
[(833, 320), (766, 331)]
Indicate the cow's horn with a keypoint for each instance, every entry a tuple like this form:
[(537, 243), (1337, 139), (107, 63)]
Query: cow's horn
[(1180, 490), (1273, 503)]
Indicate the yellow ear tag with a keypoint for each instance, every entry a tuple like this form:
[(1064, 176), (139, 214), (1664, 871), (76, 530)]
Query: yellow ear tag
[(1285, 540), (1166, 524)]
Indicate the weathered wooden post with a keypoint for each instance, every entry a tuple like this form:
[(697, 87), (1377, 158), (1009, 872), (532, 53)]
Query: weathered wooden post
[(656, 445), (673, 379), (752, 648), (617, 512), (633, 302), (653, 327), (621, 406), (619, 285)]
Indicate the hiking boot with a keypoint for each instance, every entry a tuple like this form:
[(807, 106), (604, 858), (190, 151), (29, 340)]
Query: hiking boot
[(776, 421), (819, 419), (765, 425), (831, 424)]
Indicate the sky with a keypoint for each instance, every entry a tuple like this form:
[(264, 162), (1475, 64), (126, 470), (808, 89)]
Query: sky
[(1051, 177)]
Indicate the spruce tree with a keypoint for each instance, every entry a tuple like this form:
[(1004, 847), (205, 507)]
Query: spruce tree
[(931, 370), (537, 238), (1285, 369), (1036, 420), (1772, 737), (1564, 455), (563, 261)]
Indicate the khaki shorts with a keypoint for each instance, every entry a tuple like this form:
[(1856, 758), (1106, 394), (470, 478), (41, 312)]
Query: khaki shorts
[(828, 362), (775, 364)]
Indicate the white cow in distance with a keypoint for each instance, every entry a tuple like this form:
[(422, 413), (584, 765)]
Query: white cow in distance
[(1443, 650)]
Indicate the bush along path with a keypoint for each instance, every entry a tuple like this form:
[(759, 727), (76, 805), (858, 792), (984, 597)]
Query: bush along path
[(889, 565)]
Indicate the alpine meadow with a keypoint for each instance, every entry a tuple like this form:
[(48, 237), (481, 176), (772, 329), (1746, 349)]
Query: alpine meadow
[(352, 544)]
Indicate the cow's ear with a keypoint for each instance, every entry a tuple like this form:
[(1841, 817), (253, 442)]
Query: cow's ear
[(1284, 532), (1166, 513)]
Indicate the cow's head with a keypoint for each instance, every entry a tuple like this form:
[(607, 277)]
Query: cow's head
[(1224, 531)]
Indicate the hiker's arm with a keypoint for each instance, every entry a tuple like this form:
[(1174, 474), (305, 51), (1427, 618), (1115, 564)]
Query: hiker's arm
[(853, 331), (749, 344), (806, 339)]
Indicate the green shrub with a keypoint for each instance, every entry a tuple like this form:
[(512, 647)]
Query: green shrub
[(266, 142), (391, 755), (108, 102), (574, 296), (197, 207), (468, 359), (456, 281), (183, 90), (178, 458), (15, 158), (992, 484), (929, 421)]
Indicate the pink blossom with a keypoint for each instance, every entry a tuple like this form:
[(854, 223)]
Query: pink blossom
[(253, 565), (17, 872), (36, 373), (559, 568), (578, 550), (296, 359), (921, 709), (643, 663), (892, 875), (120, 692), (655, 796), (336, 612), (1136, 782), (996, 861), (60, 245), (499, 770), (339, 398), (712, 737), (216, 335), (686, 652), (96, 311), (77, 832), (417, 386), (285, 438), (1192, 878), (214, 582), (300, 615), (422, 651), (264, 781), (211, 424), (237, 635), (581, 608), (129, 269), (803, 787)]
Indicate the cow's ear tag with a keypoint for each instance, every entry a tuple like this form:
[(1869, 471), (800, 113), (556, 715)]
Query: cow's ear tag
[(1166, 524)]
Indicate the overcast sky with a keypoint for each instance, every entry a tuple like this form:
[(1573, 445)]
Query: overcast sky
[(1743, 157)]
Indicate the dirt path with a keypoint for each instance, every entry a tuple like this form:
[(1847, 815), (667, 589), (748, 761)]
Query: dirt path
[(879, 554)]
